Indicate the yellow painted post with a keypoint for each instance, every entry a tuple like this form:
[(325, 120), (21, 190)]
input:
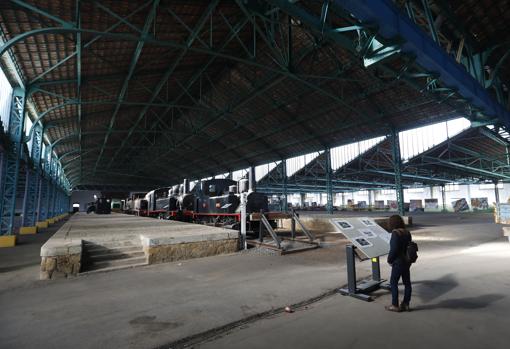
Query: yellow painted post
[(28, 230), (8, 241), (41, 225)]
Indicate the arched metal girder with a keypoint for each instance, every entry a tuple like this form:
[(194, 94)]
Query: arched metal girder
[(41, 116), (60, 140), (79, 156), (148, 39), (74, 151)]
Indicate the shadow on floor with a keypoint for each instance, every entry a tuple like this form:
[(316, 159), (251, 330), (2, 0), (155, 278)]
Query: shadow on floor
[(428, 290), (17, 267), (464, 303)]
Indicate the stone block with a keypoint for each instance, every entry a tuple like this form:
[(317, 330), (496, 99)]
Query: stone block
[(315, 225), (181, 251), (60, 266)]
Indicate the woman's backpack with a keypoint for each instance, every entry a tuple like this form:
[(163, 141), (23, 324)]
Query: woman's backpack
[(411, 252)]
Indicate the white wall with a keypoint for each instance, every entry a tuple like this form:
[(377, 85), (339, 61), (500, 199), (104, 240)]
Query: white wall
[(467, 192), (462, 191)]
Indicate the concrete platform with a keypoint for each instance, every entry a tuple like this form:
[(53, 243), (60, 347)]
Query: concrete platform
[(161, 241)]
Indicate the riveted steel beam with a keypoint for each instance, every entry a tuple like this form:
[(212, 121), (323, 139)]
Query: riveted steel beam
[(11, 159), (392, 23), (134, 61), (159, 86)]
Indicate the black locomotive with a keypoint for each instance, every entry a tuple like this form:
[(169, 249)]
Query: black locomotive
[(100, 206), (157, 202)]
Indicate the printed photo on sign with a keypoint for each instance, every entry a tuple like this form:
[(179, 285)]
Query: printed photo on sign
[(367, 233), (367, 222), (344, 225), (362, 242)]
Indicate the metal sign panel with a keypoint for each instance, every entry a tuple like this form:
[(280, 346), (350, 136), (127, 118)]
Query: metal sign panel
[(502, 213), (372, 240)]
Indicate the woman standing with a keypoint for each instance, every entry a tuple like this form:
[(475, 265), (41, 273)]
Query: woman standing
[(400, 265)]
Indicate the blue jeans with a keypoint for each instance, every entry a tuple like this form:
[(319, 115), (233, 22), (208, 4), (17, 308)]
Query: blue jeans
[(398, 270)]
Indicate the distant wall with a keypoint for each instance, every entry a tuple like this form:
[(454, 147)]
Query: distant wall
[(465, 191), (83, 197)]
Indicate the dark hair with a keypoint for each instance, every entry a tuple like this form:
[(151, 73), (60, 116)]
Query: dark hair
[(396, 222)]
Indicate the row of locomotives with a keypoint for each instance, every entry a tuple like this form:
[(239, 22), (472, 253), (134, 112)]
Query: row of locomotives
[(216, 202)]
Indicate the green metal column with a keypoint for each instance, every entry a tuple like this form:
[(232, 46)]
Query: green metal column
[(285, 191), (59, 202), (30, 201), (443, 196), (11, 162), (49, 181), (496, 191), (42, 208), (302, 198), (329, 182), (397, 164), (56, 189)]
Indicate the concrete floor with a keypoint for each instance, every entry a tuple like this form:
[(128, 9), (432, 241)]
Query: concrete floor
[(461, 299), (19, 265)]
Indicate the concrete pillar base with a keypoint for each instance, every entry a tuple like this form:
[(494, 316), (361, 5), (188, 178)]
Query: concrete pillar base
[(43, 224), (8, 241), (28, 230)]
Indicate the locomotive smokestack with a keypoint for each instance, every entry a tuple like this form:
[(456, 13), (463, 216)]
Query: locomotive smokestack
[(252, 184), (185, 186)]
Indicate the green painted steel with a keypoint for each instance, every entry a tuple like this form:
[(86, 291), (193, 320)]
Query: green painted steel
[(329, 181), (171, 69), (11, 162), (285, 185), (134, 60), (29, 216), (397, 165)]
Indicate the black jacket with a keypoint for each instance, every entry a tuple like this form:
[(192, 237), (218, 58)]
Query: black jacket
[(400, 238)]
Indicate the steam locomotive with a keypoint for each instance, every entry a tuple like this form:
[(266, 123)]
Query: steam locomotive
[(214, 201), (100, 206)]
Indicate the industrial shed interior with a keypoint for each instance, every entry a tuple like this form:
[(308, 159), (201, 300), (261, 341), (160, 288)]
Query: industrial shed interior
[(228, 174)]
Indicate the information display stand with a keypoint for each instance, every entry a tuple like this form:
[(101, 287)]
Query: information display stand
[(361, 290), (371, 240)]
